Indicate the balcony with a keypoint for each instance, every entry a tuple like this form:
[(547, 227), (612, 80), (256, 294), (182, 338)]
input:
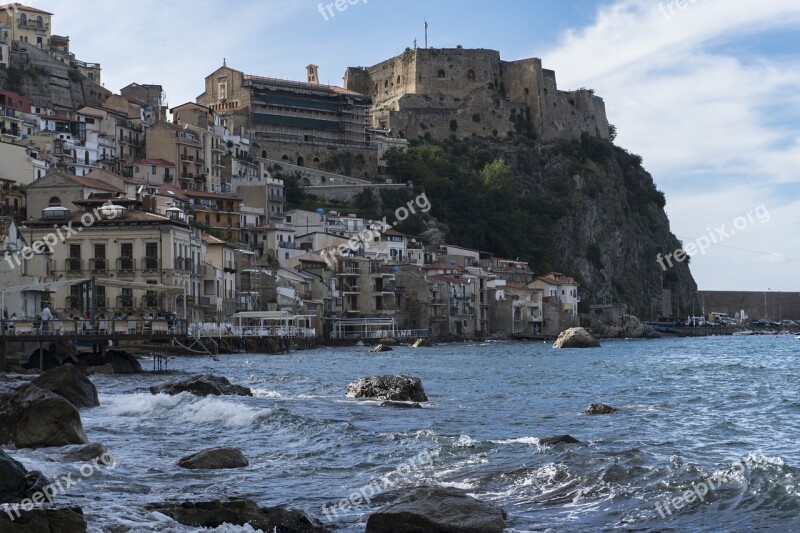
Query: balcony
[(33, 25), (151, 263), (187, 158), (98, 264), (73, 265), (151, 300), (350, 270), (201, 161), (187, 176), (204, 301), (126, 264), (125, 302), (350, 289)]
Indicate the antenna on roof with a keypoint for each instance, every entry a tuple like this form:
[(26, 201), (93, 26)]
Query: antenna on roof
[(426, 34)]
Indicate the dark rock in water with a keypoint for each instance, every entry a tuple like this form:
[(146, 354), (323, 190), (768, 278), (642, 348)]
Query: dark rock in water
[(393, 388), (382, 348), (576, 338), (88, 453), (16, 483), (215, 459), (406, 405), (558, 439), (239, 512), (69, 382), (124, 363), (600, 409), (202, 386), (390, 341), (31, 417), (43, 520), (437, 510)]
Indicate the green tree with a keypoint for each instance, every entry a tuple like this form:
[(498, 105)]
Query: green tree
[(496, 175)]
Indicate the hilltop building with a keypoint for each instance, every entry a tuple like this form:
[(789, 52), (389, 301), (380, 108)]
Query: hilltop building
[(445, 91)]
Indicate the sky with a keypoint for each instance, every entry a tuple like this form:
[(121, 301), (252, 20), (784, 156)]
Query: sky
[(706, 91)]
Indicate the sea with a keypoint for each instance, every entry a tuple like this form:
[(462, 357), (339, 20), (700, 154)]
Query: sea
[(705, 439)]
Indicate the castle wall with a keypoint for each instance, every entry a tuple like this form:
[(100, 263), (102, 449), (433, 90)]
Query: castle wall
[(312, 156), (456, 71)]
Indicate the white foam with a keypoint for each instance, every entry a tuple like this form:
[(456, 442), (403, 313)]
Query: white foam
[(465, 441), (264, 393), (520, 440)]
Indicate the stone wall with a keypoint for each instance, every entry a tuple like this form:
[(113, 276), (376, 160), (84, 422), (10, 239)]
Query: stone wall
[(772, 305), (346, 193), (313, 156)]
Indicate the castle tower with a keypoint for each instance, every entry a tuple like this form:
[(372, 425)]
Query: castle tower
[(313, 74)]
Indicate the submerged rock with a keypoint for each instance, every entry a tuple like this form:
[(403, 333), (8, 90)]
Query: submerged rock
[(437, 510), (43, 520), (215, 459), (202, 386), (391, 388), (600, 409), (88, 453), (31, 417), (558, 439), (576, 338), (402, 405), (70, 383), (214, 513), (382, 348)]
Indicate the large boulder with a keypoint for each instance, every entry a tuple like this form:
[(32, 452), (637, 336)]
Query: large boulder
[(16, 483), (215, 459), (437, 510), (382, 348), (70, 383), (558, 439), (214, 513), (202, 386), (392, 388), (124, 363), (576, 338), (31, 417), (43, 520), (88, 453)]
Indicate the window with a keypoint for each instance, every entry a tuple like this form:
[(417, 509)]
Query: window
[(440, 74), (23, 19), (471, 75), (55, 201), (39, 24)]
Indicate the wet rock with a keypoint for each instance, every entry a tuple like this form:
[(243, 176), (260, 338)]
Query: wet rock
[(70, 383), (402, 405), (390, 341), (576, 338), (382, 348), (600, 409), (43, 520), (124, 363), (31, 417), (215, 459), (437, 510), (88, 453), (391, 388), (214, 513), (16, 483), (102, 369), (558, 439), (202, 386)]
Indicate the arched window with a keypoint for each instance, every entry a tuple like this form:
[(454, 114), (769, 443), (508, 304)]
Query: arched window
[(263, 154), (285, 157), (39, 22), (386, 83), (86, 157), (316, 160), (471, 75), (440, 74), (23, 19), (55, 201), (300, 161)]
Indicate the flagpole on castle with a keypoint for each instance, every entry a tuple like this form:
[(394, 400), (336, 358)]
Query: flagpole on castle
[(426, 34)]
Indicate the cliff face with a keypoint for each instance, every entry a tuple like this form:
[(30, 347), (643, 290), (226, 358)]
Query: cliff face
[(586, 208)]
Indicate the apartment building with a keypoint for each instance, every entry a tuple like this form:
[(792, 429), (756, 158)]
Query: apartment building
[(221, 213), (28, 24)]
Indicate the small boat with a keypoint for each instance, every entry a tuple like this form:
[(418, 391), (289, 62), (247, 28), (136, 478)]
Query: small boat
[(743, 333), (797, 337)]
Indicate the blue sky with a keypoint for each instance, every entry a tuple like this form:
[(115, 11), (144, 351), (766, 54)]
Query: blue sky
[(708, 93)]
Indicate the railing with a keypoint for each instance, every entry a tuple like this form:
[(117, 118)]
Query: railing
[(350, 270), (150, 263), (73, 264), (350, 288), (204, 301), (126, 264), (125, 302), (187, 158), (215, 330), (382, 334), (98, 264), (151, 301), (100, 327)]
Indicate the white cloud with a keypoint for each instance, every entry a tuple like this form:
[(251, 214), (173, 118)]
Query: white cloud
[(713, 127)]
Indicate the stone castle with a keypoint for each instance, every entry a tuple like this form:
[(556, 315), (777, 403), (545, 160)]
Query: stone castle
[(446, 91)]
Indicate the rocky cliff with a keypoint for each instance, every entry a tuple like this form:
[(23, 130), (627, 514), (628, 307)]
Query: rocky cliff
[(586, 208)]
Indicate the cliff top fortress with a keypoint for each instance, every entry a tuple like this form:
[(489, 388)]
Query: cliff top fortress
[(445, 91)]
